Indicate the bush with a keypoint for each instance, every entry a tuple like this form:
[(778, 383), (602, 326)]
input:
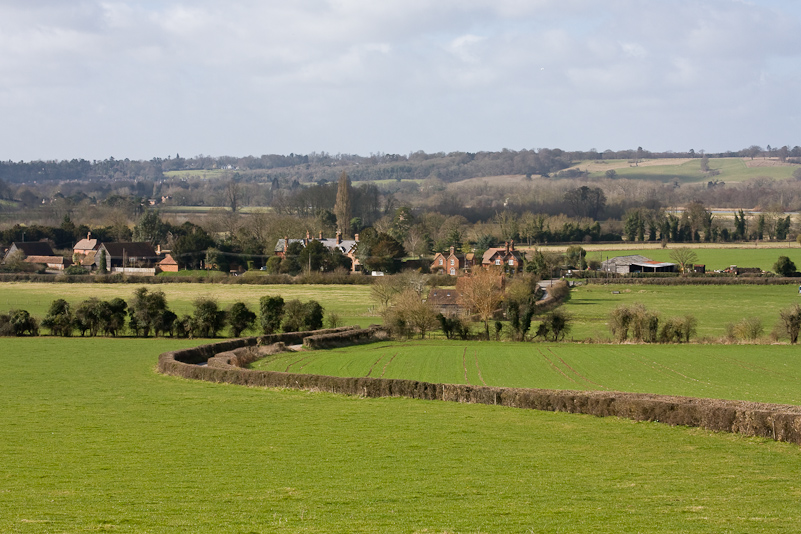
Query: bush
[(748, 329), (300, 317), (59, 318), (240, 318), (784, 266), (555, 326), (208, 319), (791, 320), (272, 313)]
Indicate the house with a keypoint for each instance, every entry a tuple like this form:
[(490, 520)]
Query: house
[(85, 246), (506, 257), (128, 258), (38, 252), (445, 301), (452, 263), (346, 246), (636, 264), (168, 264)]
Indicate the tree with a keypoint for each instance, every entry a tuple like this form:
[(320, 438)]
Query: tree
[(683, 256), (342, 207), (113, 316), (556, 325), (410, 313), (784, 266), (208, 319), (482, 292), (791, 319), (299, 317), (22, 323), (575, 257), (59, 318), (103, 269), (271, 311), (240, 318), (89, 316), (146, 312), (586, 201), (150, 228), (611, 174)]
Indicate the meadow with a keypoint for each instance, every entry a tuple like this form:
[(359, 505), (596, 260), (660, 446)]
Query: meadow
[(713, 306), (351, 303), (93, 440), (713, 258), (739, 372)]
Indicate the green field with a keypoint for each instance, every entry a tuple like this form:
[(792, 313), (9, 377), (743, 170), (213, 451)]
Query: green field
[(351, 303), (93, 440), (731, 170), (713, 306), (203, 174), (759, 374), (714, 258)]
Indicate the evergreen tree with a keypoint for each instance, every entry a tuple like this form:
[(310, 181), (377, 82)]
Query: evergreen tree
[(342, 207)]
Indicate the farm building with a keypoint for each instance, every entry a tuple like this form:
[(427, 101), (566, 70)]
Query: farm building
[(128, 258), (636, 264), (445, 301), (39, 252)]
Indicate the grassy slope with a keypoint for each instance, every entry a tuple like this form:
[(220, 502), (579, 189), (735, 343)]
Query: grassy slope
[(731, 170), (713, 306), (759, 374), (91, 439), (350, 302)]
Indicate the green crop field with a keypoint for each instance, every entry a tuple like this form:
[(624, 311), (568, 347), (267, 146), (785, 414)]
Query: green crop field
[(713, 306), (753, 373), (93, 440), (714, 258), (351, 303)]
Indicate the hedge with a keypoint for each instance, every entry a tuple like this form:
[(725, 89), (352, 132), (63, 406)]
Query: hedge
[(779, 422)]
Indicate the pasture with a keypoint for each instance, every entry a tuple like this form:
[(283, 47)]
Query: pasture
[(92, 439), (351, 303), (713, 258), (713, 306), (753, 373), (689, 170)]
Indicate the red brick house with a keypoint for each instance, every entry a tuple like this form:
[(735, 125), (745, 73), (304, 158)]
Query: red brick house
[(505, 257), (452, 263)]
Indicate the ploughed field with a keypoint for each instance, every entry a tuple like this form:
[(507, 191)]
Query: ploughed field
[(93, 439), (759, 373)]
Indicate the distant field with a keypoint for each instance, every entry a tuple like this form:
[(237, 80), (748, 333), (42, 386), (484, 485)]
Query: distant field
[(753, 373), (713, 306), (350, 302), (689, 170), (207, 209), (202, 174), (716, 258), (93, 440)]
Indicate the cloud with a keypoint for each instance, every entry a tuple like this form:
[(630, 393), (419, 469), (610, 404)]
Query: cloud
[(215, 76)]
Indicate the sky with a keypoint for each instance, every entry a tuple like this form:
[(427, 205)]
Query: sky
[(144, 78)]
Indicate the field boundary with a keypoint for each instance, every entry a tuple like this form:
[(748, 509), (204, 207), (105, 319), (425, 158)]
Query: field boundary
[(774, 421)]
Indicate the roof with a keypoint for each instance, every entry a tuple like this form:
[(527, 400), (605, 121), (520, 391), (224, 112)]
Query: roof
[(627, 260), (89, 258), (34, 248), (46, 259), (86, 244), (502, 250), (653, 264), (168, 260), (130, 250), (443, 297), (344, 246)]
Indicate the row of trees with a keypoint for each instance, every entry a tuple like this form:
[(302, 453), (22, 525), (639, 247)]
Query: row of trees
[(148, 314)]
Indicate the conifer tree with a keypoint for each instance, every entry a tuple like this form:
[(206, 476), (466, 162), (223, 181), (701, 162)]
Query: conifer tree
[(342, 206)]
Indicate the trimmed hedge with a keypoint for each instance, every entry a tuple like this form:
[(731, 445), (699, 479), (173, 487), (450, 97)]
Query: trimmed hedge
[(779, 422), (349, 337)]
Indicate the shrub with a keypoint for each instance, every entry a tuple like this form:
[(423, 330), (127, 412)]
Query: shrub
[(619, 322), (272, 313), (555, 325), (748, 329), (23, 323), (784, 266), (300, 317), (208, 319), (333, 320), (59, 318), (240, 318), (791, 319)]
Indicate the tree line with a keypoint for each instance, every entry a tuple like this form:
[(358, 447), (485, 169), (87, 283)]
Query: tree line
[(148, 314)]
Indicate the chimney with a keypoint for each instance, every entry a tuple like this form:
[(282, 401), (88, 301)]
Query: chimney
[(308, 238), (507, 247), (89, 235), (321, 236), (286, 244), (339, 237), (513, 245), (158, 250), (453, 251), (356, 237)]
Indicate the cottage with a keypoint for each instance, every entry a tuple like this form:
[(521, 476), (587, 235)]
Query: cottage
[(38, 252), (451, 263), (506, 257), (128, 258), (85, 246)]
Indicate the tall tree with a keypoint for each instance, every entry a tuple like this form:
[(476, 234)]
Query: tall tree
[(482, 293), (342, 206)]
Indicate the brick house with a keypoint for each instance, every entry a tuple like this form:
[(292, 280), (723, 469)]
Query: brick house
[(452, 263), (505, 257)]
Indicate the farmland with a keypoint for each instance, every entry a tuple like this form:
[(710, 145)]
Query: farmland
[(715, 258), (689, 170), (93, 440), (759, 374)]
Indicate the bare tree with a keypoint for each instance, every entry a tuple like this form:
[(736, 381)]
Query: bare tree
[(683, 256), (342, 208), (482, 293)]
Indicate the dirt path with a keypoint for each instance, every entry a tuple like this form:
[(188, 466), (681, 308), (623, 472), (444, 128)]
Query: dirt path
[(296, 361), (464, 365), (374, 364), (479, 369), (384, 370), (556, 367)]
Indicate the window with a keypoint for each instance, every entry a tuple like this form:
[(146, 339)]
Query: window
[(453, 262), (511, 262), (441, 261), (453, 271), (498, 261)]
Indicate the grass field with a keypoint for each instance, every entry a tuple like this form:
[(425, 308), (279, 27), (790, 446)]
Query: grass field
[(686, 171), (93, 440), (351, 303), (715, 258), (759, 374), (713, 306)]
